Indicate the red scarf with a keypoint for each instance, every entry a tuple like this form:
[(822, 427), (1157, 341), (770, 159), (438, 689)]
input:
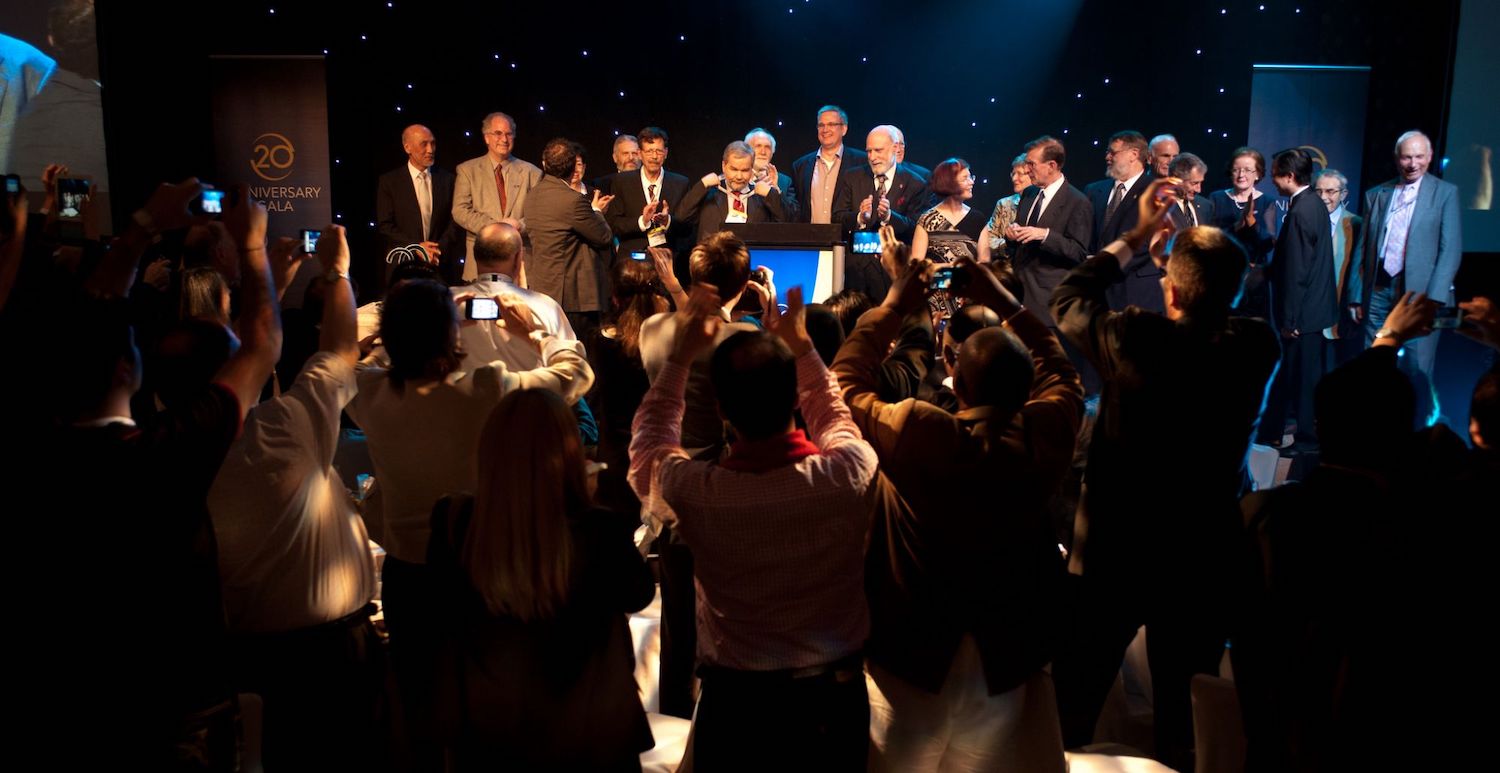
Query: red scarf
[(770, 453)]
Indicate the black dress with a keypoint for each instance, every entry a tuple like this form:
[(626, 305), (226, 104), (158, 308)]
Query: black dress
[(557, 694)]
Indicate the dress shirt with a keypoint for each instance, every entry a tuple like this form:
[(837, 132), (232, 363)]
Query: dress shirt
[(293, 552), (778, 554), (1398, 223), (486, 341), (1049, 193), (825, 179), (646, 185)]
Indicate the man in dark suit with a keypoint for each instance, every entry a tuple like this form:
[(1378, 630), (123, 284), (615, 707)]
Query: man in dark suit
[(815, 176), (1193, 208), (1114, 202), (568, 233), (413, 205), (647, 200), (764, 146), (916, 169), (1302, 286), (1158, 530), (876, 194), (1413, 243), (731, 198), (1332, 188)]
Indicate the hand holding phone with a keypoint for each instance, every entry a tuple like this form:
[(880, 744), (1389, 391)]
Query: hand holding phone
[(480, 308), (310, 240)]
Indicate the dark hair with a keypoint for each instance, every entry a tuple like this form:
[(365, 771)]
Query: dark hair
[(1295, 162), (636, 291), (201, 295), (995, 370), (1484, 410), (412, 269), (419, 327), (849, 305), (560, 156), (71, 25), (961, 324), (945, 177), (1132, 139), (723, 261), (1052, 149), (1253, 154), (825, 330), (652, 134), (1207, 269), (186, 358), (755, 380), (843, 116), (1184, 163)]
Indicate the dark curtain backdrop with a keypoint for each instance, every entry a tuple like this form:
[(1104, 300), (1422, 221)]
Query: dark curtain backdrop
[(966, 78)]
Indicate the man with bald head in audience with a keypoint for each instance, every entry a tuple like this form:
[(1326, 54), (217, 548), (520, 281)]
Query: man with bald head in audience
[(497, 256), (414, 205)]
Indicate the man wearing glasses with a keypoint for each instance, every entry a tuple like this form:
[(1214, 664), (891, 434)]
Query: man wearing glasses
[(1114, 201), (815, 176), (1333, 188), (493, 187)]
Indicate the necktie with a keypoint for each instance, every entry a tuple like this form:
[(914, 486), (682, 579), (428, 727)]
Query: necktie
[(500, 186), (879, 189), (424, 202), (1114, 201), (651, 193), (739, 202), (1395, 234), (1036, 208)]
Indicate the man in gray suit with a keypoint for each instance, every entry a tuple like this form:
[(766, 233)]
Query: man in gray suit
[(493, 187), (568, 237), (1411, 242)]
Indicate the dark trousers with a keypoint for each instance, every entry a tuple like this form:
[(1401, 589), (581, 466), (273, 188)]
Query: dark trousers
[(773, 721), (584, 323), (406, 593), (1182, 639), (323, 692), (1304, 360), (1417, 359), (679, 627)]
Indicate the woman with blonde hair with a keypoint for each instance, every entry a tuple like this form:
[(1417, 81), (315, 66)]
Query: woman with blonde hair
[(532, 586)]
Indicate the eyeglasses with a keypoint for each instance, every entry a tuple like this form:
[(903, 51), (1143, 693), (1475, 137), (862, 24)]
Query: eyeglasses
[(1242, 170), (1330, 191), (822, 125), (654, 152), (499, 134), (1113, 152)]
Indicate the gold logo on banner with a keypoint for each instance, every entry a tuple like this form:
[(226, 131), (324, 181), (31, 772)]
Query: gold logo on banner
[(271, 157), (1316, 153)]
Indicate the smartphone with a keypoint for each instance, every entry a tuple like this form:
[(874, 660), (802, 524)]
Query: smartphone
[(71, 193), (211, 202), (310, 240), (1448, 317), (12, 184), (867, 242), (482, 308), (948, 278), (639, 256)]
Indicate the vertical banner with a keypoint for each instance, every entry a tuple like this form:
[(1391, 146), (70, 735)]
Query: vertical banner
[(1318, 108), (271, 133)]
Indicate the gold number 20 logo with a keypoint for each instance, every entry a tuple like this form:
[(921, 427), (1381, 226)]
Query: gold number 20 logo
[(271, 157)]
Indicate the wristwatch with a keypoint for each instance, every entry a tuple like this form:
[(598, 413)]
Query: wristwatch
[(334, 275), (1385, 332)]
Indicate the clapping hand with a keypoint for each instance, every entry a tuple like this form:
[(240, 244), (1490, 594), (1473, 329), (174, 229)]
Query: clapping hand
[(697, 323), (790, 327)]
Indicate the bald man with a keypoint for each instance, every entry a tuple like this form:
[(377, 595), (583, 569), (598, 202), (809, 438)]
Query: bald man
[(1160, 154), (413, 205), (497, 257)]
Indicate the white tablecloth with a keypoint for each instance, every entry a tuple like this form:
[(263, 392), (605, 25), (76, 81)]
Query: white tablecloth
[(645, 635)]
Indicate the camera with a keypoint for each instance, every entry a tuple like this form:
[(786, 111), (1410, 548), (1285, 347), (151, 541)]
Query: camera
[(71, 193), (639, 256), (866, 243), (949, 277), (12, 184), (482, 308), (310, 240), (1448, 318)]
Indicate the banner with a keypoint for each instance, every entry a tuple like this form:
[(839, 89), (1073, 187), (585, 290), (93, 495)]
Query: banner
[(1318, 108), (271, 133)]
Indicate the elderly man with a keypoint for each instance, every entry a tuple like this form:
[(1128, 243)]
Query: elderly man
[(815, 176), (916, 169), (764, 146), (880, 192), (626, 153), (492, 187), (1159, 156), (1333, 188), (735, 197), (414, 205), (1413, 243), (1193, 208)]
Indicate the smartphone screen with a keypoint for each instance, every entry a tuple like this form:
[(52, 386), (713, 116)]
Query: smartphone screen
[(867, 242), (1448, 317), (482, 308), (12, 184), (639, 256), (71, 193), (310, 240), (942, 279), (213, 202)]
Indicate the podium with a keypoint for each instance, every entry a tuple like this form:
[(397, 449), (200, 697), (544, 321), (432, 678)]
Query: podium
[(805, 254)]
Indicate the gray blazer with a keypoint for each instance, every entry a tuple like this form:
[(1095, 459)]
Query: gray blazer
[(1434, 245), (476, 202), (567, 240)]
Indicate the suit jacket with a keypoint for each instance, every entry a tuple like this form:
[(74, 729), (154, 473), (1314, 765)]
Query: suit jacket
[(1042, 265), (1201, 205), (934, 572), (802, 174), (1185, 544), (918, 170), (709, 206), (624, 212), (906, 192), (476, 202), (1434, 245), (1302, 268), (1142, 283), (398, 218), (1346, 235), (789, 201), (565, 234)]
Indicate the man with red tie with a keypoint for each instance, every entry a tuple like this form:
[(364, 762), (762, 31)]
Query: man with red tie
[(731, 197), (493, 187)]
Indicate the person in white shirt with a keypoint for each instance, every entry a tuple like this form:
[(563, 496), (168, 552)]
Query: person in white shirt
[(498, 257)]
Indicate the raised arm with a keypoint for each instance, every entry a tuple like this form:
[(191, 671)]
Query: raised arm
[(260, 319), (339, 333)]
